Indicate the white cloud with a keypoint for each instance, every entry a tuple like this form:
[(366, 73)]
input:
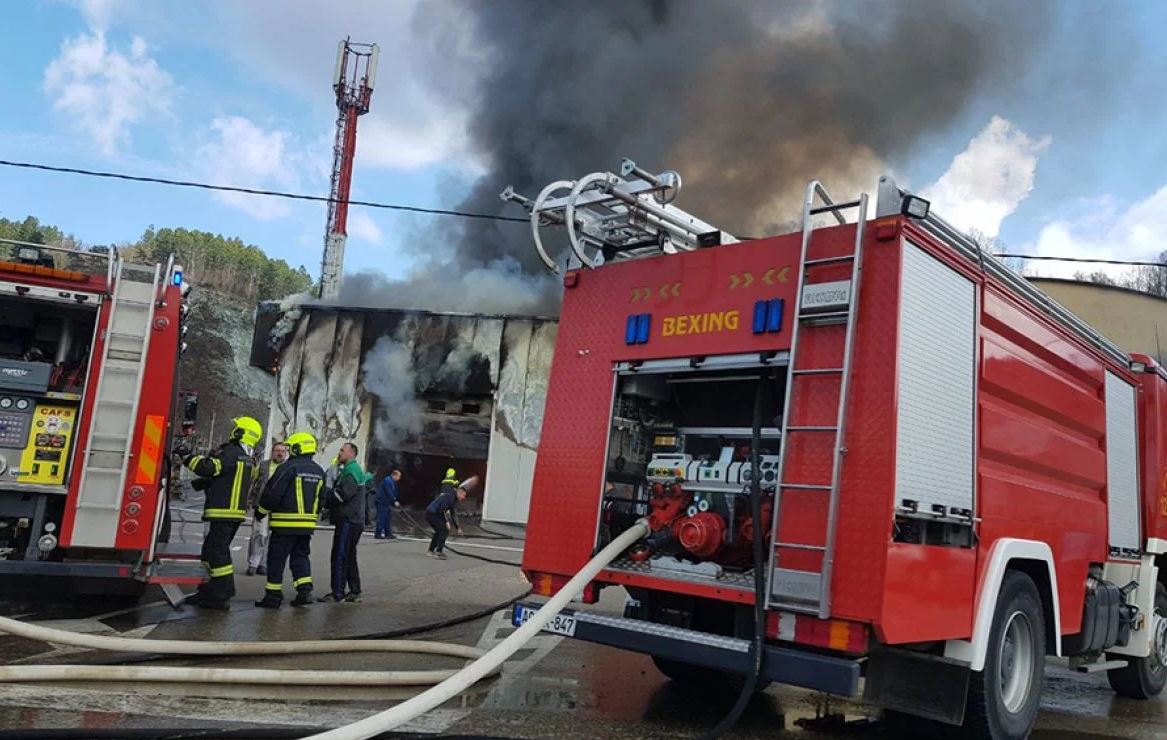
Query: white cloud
[(1105, 231), (99, 14), (362, 226), (239, 152), (989, 179), (103, 91)]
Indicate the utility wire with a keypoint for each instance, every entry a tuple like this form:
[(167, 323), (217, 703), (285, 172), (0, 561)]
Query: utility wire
[(256, 191), (417, 209), (1082, 259)]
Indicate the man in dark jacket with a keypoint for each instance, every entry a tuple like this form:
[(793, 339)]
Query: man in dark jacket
[(385, 499), (225, 475), (347, 504), (292, 500), (446, 502)]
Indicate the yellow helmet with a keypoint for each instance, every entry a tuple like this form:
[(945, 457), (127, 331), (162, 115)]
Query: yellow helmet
[(301, 443), (450, 473), (247, 430)]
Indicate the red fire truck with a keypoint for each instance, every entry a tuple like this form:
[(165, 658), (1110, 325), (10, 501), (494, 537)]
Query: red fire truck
[(89, 349), (956, 476)]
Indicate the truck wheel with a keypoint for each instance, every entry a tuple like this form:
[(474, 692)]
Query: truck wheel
[(1003, 699), (699, 676), (1144, 678)]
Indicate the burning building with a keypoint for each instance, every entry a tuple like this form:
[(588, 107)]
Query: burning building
[(418, 390)]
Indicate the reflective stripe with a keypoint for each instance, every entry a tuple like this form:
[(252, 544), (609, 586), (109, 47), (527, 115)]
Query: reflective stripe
[(306, 580), (277, 587), (316, 499), (237, 485), (151, 443), (224, 570), (263, 511), (223, 513), (299, 496), (451, 482), (285, 524)]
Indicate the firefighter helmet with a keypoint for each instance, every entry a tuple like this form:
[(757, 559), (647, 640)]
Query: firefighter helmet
[(450, 473), (247, 430), (301, 443)]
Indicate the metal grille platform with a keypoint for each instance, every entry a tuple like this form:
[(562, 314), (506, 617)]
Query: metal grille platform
[(743, 580)]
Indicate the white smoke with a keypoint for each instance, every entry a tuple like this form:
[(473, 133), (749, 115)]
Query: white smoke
[(290, 313), (388, 374)]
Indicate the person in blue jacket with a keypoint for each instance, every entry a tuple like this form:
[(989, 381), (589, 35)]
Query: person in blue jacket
[(385, 498)]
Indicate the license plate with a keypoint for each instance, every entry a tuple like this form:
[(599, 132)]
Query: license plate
[(561, 624)]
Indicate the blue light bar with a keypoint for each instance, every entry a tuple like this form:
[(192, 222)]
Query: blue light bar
[(759, 324), (643, 324), (177, 277), (630, 330), (774, 311)]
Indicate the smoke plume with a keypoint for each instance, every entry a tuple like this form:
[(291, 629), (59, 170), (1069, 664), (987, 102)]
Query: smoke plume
[(387, 373), (748, 101)]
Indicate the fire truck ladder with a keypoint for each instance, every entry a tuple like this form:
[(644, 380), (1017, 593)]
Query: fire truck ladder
[(807, 589), (115, 407)]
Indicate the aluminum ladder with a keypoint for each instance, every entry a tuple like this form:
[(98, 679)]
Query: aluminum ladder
[(112, 420), (797, 589)]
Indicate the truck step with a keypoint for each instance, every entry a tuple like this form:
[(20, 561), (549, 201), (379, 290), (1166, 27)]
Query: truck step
[(177, 551), (1105, 665)]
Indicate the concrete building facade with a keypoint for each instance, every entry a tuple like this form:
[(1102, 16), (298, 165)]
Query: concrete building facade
[(1135, 321), (417, 390)]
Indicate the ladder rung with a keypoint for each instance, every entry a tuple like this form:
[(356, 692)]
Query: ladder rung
[(797, 546), (115, 402), (830, 260), (807, 486), (833, 207), (111, 471), (812, 428), (126, 335), (818, 371)]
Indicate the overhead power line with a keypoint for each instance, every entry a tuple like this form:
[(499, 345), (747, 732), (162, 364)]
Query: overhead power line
[(256, 191), (421, 209), (1135, 263)]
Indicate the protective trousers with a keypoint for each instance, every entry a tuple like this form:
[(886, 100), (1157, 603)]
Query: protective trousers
[(295, 548), (441, 530), (257, 545), (216, 557), (384, 519), (344, 559)]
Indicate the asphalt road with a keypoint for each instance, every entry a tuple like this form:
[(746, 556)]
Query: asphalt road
[(555, 687)]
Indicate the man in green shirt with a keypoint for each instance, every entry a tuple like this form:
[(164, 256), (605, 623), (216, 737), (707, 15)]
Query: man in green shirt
[(346, 502)]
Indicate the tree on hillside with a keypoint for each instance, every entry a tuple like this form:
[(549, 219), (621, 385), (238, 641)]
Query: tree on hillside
[(225, 263)]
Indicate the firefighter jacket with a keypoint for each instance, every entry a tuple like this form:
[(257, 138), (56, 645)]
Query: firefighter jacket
[(227, 474), (292, 496), (347, 502)]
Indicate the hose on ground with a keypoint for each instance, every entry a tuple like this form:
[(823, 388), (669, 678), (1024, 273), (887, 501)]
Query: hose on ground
[(187, 674), (437, 695), (450, 686)]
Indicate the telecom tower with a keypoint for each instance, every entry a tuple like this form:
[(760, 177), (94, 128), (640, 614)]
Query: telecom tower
[(356, 69)]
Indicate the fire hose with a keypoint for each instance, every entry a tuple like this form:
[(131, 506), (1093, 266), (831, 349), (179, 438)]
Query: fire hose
[(448, 683)]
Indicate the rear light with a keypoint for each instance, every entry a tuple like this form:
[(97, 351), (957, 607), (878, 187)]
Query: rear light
[(130, 526), (833, 634), (886, 229), (548, 584), (571, 279)]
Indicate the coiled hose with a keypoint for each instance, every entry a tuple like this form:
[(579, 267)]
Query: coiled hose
[(448, 683)]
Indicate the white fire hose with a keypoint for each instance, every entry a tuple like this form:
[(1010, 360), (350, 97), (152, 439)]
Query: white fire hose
[(448, 683)]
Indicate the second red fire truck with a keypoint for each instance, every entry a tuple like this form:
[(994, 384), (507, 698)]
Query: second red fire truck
[(89, 350), (952, 476)]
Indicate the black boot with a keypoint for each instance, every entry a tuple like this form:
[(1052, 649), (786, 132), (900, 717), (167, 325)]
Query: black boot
[(303, 597), (270, 600)]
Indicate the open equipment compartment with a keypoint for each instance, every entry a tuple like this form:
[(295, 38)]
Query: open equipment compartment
[(679, 454)]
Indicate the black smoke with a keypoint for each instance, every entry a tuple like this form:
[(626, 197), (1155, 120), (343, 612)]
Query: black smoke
[(748, 100)]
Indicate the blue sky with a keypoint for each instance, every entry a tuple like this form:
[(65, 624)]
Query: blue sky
[(239, 93)]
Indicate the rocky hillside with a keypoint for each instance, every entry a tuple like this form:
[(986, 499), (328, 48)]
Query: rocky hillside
[(215, 363)]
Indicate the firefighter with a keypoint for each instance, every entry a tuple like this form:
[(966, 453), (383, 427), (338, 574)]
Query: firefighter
[(446, 501), (225, 475), (292, 500)]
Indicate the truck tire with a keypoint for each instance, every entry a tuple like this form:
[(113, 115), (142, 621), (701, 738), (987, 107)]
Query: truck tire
[(1144, 678), (1003, 699), (697, 676)]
